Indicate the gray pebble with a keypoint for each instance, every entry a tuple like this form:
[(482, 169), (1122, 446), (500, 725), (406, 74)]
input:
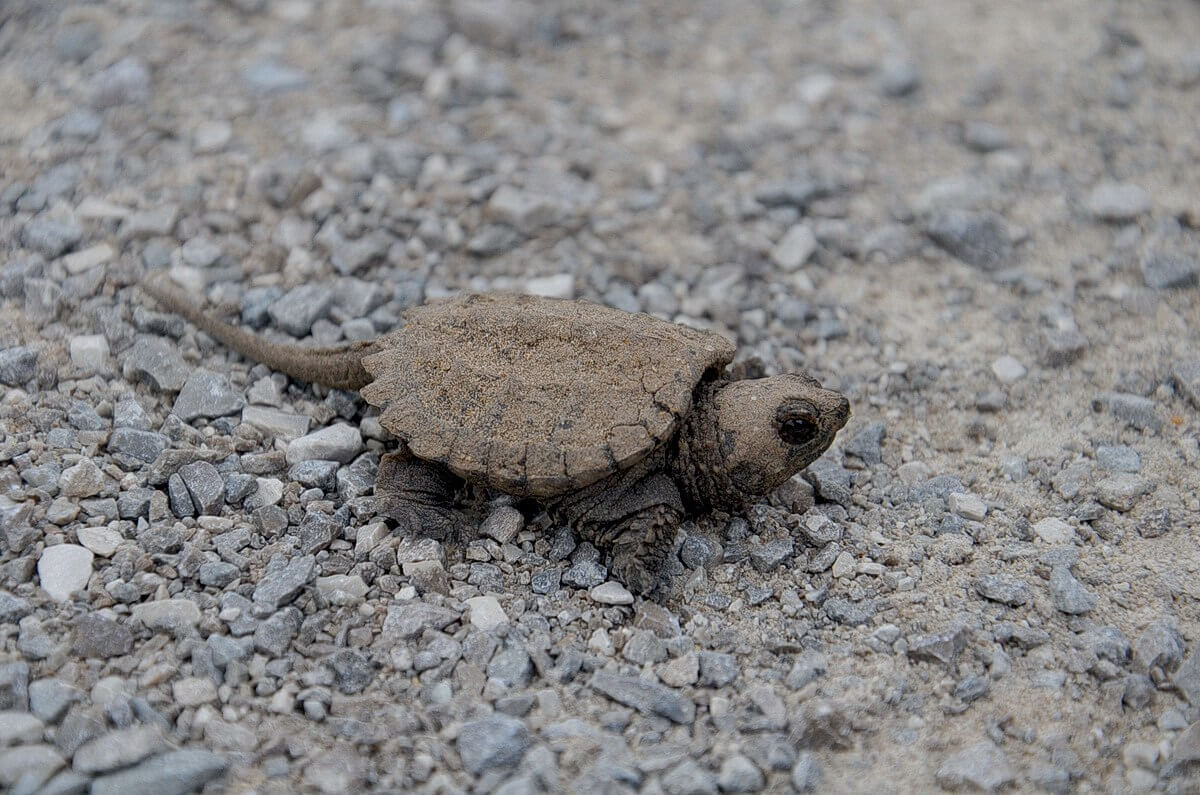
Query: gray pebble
[(1120, 491), (644, 647), (297, 309), (1068, 595), (157, 221), (982, 766), (491, 742), (940, 647), (717, 669), (830, 481), (17, 366), (283, 580), (649, 698), (50, 698), (899, 77), (272, 77), (98, 637), (982, 136), (584, 574), (1159, 645), (352, 671), (1139, 412), (1061, 347), (217, 573), (1166, 270), (1004, 589), (155, 362), (1186, 377), (545, 581), (408, 621), (739, 774), (1118, 202), (867, 444), (316, 473), (172, 773), (980, 239), (1118, 458), (275, 635), (806, 774), (51, 236), (770, 556), (205, 486)]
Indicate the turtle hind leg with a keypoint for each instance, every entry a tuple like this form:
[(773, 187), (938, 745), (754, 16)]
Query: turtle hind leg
[(640, 548), (419, 497)]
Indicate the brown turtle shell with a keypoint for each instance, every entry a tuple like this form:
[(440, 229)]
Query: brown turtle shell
[(537, 396)]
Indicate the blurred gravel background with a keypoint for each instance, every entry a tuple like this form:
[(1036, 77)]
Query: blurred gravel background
[(978, 220)]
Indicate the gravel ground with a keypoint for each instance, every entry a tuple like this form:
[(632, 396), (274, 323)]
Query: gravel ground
[(978, 220)]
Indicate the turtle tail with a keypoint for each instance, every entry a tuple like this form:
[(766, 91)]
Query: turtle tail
[(338, 366)]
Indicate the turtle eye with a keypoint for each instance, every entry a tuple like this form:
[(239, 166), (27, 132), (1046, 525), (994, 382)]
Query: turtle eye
[(798, 431)]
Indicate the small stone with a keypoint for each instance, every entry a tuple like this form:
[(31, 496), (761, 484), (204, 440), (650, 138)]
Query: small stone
[(1068, 594), (19, 728), (830, 480), (153, 361), (503, 524), (1004, 589), (806, 774), (168, 615), (172, 773), (940, 647), (699, 552), (126, 81), (611, 593), (1008, 370), (101, 540), (795, 247), (352, 671), (271, 77), (867, 444), (525, 211), (689, 778), (717, 669), (1186, 749), (546, 581), (982, 136), (408, 621), (100, 638), (342, 589), (585, 574), (739, 774), (560, 285), (1118, 202), (297, 309), (278, 423), (118, 749), (17, 366), (1118, 458), (211, 135), (156, 222), (486, 613), (968, 506), (89, 258), (1186, 377), (1120, 491), (217, 574), (1138, 411), (1163, 270), (1061, 347), (64, 569), (1054, 531), (647, 697), (1159, 645), (980, 239), (848, 612), (982, 766), (194, 691), (281, 583), (206, 394), (205, 486), (28, 765), (683, 671), (492, 742), (339, 443), (50, 236), (89, 352), (82, 480), (644, 647)]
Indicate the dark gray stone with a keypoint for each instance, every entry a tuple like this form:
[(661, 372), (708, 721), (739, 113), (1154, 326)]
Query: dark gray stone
[(546, 581), (941, 647), (408, 621), (297, 310), (1186, 377), (1004, 589), (17, 366), (316, 473), (98, 637), (1159, 645), (206, 394), (217, 573), (352, 671), (845, 611), (867, 444), (830, 480), (1167, 271), (492, 742), (205, 486), (283, 580), (584, 574), (273, 636), (51, 237), (143, 446), (155, 362), (979, 239), (768, 557), (172, 773), (717, 669), (14, 686), (699, 552), (649, 698), (316, 532)]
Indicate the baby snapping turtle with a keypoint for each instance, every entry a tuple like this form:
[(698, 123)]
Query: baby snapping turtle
[(620, 424)]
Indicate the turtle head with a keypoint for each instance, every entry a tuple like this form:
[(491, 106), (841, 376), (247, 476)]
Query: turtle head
[(769, 429)]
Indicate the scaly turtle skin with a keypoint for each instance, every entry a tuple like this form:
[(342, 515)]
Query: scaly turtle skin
[(621, 424)]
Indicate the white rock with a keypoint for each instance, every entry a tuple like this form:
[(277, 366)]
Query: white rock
[(561, 285), (1054, 531), (167, 614), (19, 727), (524, 210), (89, 352), (368, 537), (194, 691), (80, 261), (1118, 201), (280, 424), (64, 569), (486, 613), (1008, 370), (611, 593), (968, 506), (795, 247), (339, 443), (101, 540), (844, 565), (269, 492), (342, 589), (211, 136)]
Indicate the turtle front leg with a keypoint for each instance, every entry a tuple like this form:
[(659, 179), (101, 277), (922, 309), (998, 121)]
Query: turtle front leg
[(419, 496), (632, 516)]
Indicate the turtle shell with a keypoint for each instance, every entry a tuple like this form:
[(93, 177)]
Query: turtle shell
[(536, 396)]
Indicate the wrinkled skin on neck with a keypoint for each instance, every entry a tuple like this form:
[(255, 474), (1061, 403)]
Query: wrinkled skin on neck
[(743, 439)]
